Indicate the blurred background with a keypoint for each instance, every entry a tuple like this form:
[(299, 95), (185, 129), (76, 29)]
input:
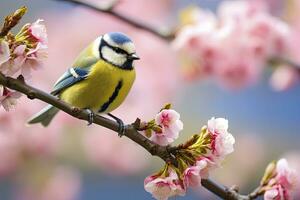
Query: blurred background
[(70, 161)]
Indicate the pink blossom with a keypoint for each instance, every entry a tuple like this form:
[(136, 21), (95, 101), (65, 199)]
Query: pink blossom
[(25, 60), (14, 65), (234, 46), (207, 165), (194, 174), (224, 144), (284, 181), (60, 183), (4, 52), (30, 52), (217, 125), (222, 141), (38, 31), (171, 125), (8, 98), (285, 175), (276, 193), (283, 78), (9, 151), (33, 59), (106, 158), (162, 188)]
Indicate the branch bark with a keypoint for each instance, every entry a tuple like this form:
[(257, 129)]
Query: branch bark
[(165, 35), (130, 130)]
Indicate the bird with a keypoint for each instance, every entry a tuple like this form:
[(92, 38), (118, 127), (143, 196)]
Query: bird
[(98, 81)]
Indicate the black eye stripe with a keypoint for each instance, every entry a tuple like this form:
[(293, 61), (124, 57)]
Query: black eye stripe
[(116, 49)]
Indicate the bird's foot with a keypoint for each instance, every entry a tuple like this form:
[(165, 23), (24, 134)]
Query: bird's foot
[(90, 117), (121, 129)]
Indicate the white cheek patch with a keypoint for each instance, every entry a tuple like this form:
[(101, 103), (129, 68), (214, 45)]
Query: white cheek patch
[(113, 57), (96, 47)]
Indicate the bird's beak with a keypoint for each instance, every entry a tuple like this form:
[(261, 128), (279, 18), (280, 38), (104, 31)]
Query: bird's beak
[(133, 56)]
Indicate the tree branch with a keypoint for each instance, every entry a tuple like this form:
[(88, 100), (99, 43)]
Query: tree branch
[(163, 152), (289, 62), (165, 35)]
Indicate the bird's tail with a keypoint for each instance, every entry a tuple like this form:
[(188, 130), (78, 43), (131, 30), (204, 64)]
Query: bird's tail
[(44, 116)]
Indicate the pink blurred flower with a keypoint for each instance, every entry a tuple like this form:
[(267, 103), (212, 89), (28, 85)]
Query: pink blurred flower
[(162, 188), (171, 125), (235, 45), (9, 151), (62, 183), (8, 98), (222, 141), (113, 156), (38, 31), (294, 162), (285, 175), (284, 77), (276, 193), (4, 52), (192, 175), (207, 164), (280, 185)]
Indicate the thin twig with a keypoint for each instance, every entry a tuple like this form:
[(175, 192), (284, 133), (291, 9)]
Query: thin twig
[(290, 63), (277, 61), (165, 35), (130, 130)]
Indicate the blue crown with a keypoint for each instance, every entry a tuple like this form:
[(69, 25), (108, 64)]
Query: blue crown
[(119, 38)]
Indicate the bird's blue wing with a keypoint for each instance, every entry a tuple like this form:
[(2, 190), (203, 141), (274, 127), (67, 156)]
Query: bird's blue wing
[(69, 78)]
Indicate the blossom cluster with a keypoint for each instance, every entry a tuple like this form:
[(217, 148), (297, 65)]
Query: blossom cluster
[(234, 45), (165, 128), (196, 158), (279, 180), (21, 53)]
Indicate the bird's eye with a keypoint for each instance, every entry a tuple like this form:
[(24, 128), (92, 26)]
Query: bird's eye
[(118, 50)]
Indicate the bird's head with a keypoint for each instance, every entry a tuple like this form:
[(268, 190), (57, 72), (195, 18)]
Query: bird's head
[(117, 49)]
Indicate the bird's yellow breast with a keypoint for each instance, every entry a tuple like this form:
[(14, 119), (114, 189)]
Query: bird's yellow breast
[(103, 90)]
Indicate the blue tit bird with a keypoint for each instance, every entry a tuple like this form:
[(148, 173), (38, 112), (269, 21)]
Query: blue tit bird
[(99, 80)]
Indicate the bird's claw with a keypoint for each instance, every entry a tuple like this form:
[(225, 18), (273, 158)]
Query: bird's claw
[(121, 129), (90, 117)]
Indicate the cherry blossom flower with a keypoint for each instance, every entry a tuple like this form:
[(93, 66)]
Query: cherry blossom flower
[(285, 175), (171, 125), (279, 180), (222, 141), (33, 33), (196, 157), (38, 31), (276, 193), (4, 52), (8, 98), (194, 174), (31, 51), (283, 78), (162, 187), (235, 45)]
